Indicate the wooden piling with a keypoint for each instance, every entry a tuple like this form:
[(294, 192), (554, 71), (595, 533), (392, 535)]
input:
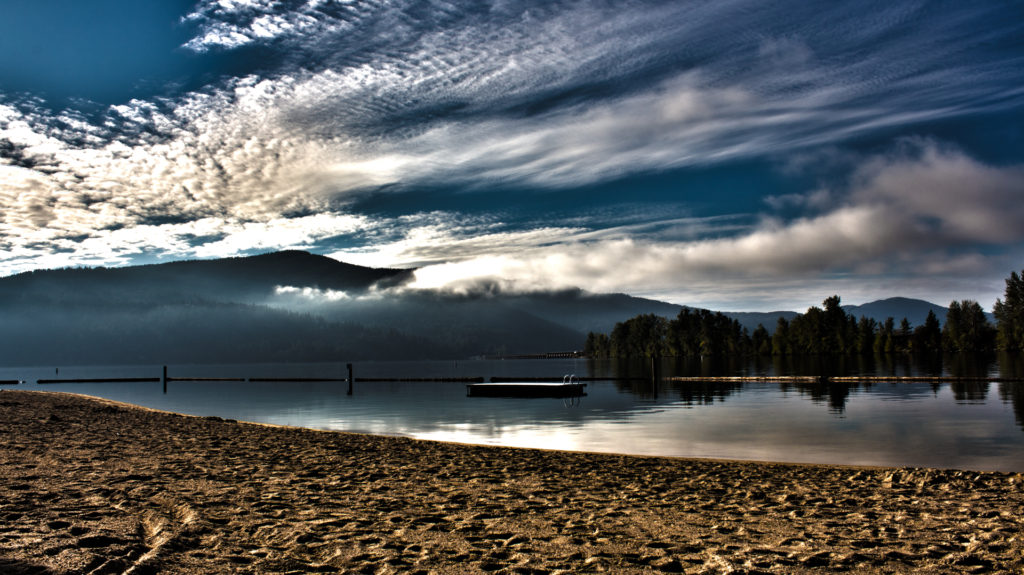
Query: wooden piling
[(654, 375), (349, 378), (163, 379)]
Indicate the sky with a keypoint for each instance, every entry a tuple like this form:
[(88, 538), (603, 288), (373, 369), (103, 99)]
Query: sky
[(737, 155)]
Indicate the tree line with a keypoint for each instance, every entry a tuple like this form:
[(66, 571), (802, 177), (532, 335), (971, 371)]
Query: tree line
[(826, 330)]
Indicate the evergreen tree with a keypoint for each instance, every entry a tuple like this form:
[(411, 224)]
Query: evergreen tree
[(884, 339), (866, 335), (967, 329), (1009, 314), (597, 346), (834, 336), (822, 331), (927, 338), (761, 341), (901, 339), (641, 336), (781, 343)]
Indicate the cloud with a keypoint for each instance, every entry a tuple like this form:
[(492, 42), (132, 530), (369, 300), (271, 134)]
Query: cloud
[(309, 294), (229, 24), (370, 96), (201, 238), (946, 194), (559, 98), (932, 213)]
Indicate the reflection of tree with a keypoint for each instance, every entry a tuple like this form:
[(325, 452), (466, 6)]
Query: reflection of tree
[(971, 391), (704, 392), (1011, 365), (635, 377), (969, 364), (835, 394), (1013, 392)]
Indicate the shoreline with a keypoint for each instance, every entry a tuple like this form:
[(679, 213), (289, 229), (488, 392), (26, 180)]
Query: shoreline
[(93, 485)]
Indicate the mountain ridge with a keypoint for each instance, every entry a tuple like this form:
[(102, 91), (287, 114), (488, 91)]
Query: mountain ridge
[(229, 309)]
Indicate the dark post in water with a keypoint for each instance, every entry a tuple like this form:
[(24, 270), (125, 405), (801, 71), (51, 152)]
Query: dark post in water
[(654, 375), (349, 378), (163, 379)]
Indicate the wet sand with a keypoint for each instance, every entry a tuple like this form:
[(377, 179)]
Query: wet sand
[(94, 486)]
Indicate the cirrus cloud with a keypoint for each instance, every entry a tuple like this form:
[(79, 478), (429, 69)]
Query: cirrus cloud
[(514, 99)]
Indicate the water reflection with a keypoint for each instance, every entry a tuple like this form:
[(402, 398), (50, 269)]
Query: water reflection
[(970, 391), (834, 394), (940, 424), (1013, 393)]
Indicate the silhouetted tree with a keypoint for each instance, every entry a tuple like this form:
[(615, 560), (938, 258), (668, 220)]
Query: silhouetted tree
[(597, 345), (702, 332), (866, 335), (1009, 314), (967, 329), (781, 343), (693, 332), (641, 336), (901, 338), (884, 339), (761, 341), (823, 331), (927, 338)]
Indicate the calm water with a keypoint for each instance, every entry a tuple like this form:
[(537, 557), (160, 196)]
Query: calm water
[(977, 426)]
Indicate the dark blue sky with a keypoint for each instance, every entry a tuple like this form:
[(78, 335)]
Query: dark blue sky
[(107, 51), (741, 155)]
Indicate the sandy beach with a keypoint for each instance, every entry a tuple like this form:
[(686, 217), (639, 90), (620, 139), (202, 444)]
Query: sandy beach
[(93, 486)]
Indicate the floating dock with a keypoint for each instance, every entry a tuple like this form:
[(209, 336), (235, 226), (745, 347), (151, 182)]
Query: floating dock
[(570, 386), (525, 389)]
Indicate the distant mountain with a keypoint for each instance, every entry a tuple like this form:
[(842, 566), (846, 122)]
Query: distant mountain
[(588, 312), (751, 319), (915, 310), (230, 310), (221, 280), (191, 311)]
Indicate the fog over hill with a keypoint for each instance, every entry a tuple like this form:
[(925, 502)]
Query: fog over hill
[(296, 306)]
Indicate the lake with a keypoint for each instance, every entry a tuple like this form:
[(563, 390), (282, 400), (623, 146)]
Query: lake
[(976, 426)]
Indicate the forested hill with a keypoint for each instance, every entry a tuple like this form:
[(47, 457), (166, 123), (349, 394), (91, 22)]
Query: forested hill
[(232, 310), (241, 279)]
